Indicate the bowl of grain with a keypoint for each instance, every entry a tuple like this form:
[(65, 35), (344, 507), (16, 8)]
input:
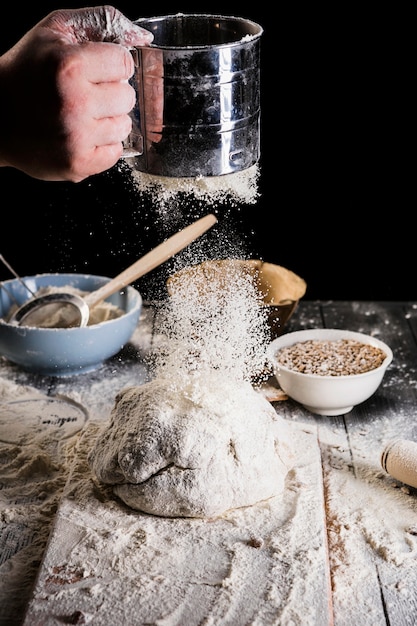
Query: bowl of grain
[(329, 371), (59, 351), (279, 288)]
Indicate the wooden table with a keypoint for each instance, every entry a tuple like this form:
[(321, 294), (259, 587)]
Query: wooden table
[(369, 531)]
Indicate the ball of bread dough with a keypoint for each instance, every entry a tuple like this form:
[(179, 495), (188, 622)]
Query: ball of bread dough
[(195, 450)]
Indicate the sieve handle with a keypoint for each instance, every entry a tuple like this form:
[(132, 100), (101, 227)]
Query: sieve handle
[(152, 259), (134, 144)]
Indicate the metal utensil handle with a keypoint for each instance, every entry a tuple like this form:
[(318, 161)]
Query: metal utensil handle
[(152, 259)]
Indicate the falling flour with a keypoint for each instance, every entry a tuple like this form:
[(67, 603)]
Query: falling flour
[(239, 187)]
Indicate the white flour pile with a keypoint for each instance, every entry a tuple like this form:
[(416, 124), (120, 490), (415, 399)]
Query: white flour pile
[(193, 450), (198, 440)]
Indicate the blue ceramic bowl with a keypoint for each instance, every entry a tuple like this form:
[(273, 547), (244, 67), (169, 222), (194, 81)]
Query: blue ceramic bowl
[(65, 351)]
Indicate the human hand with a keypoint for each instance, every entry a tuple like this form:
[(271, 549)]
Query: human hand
[(65, 103)]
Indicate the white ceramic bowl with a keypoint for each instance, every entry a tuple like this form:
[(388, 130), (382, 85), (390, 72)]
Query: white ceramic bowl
[(65, 351), (327, 395)]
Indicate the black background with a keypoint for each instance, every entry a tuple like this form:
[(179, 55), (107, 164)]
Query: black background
[(336, 201)]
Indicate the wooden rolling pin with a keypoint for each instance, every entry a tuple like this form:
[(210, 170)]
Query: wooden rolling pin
[(399, 459)]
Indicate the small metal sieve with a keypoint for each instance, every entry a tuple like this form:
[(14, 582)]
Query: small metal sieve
[(72, 309)]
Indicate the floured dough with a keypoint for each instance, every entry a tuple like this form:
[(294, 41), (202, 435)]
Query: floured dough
[(195, 450)]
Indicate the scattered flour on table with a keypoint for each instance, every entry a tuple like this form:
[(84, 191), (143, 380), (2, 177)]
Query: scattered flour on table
[(36, 450), (263, 565), (372, 523)]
